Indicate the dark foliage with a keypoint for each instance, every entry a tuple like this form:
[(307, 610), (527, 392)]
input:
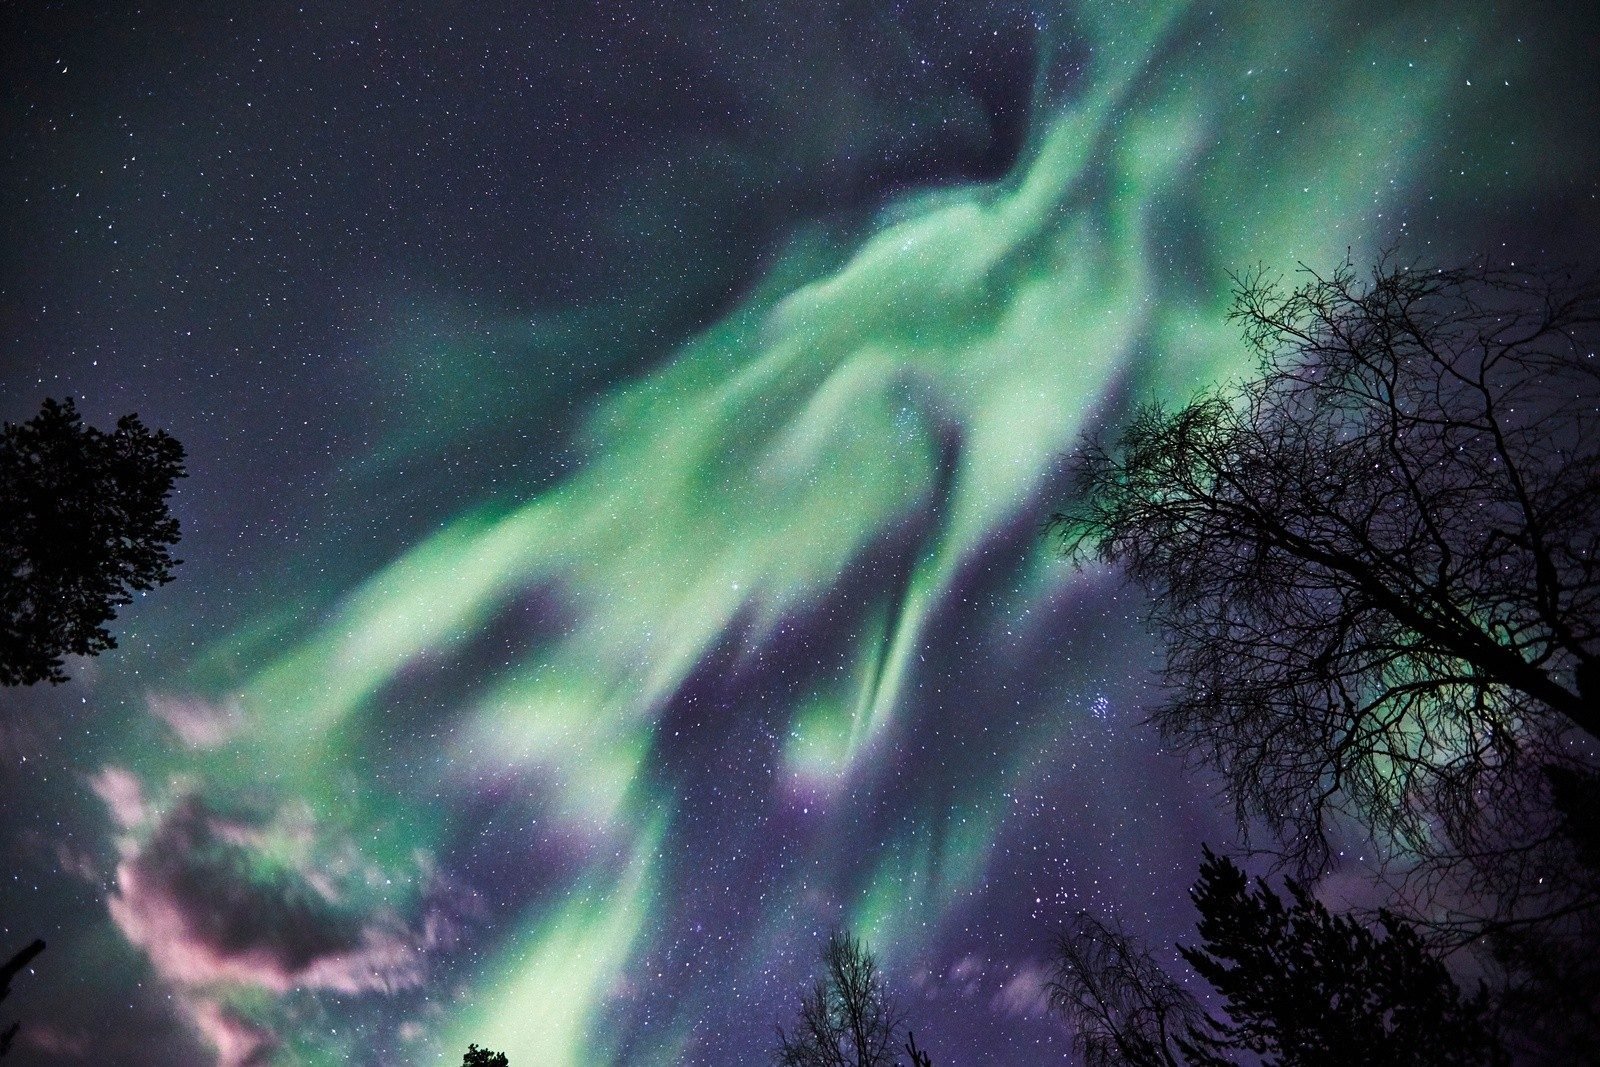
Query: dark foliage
[(1376, 566), (1300, 987), (9, 970), (1548, 1006), (1575, 794), (1305, 987), (848, 1019), (1551, 999), (83, 525), (482, 1057)]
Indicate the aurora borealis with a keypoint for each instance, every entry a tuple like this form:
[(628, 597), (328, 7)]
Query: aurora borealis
[(620, 440)]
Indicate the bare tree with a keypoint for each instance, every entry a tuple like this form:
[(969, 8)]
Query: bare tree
[(1122, 1005), (848, 1019), (9, 970), (1376, 565)]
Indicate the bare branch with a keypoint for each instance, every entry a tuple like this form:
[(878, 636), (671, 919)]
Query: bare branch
[(1376, 568)]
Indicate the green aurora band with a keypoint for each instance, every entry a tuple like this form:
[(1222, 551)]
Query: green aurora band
[(925, 377)]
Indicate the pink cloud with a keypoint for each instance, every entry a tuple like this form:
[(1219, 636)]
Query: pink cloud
[(1024, 994), (208, 905), (123, 794), (239, 1042), (54, 1042), (198, 723)]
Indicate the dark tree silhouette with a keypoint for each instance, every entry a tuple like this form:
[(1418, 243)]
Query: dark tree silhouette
[(848, 1019), (9, 970), (1551, 996), (1376, 566), (83, 524), (1299, 986), (1303, 986), (482, 1057), (1122, 1005)]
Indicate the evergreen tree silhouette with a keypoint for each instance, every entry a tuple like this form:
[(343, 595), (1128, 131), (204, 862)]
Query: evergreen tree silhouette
[(482, 1057), (83, 525), (1303, 986)]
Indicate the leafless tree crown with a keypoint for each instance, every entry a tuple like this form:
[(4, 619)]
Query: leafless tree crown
[(1122, 1005), (1376, 565), (848, 1018)]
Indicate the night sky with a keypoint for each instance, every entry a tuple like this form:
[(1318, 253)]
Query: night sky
[(620, 440)]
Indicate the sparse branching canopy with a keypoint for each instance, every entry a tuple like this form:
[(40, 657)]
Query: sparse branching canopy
[(1376, 566), (83, 525), (848, 1019), (1122, 1005)]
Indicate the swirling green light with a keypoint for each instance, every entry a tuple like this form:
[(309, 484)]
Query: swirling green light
[(934, 378)]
